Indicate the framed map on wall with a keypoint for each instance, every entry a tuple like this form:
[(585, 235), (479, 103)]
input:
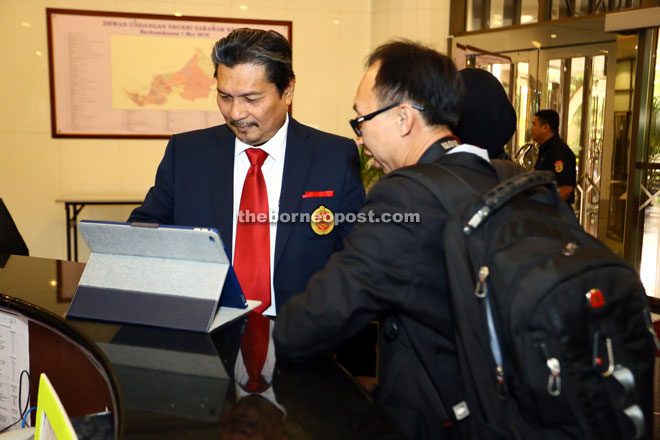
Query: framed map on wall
[(120, 75)]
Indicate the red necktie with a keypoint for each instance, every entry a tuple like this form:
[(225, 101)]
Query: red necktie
[(252, 247), (254, 348)]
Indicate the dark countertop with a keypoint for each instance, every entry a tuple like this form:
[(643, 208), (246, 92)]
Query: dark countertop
[(168, 384)]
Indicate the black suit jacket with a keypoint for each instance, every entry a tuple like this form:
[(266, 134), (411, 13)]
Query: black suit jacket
[(395, 272), (195, 181), (11, 241)]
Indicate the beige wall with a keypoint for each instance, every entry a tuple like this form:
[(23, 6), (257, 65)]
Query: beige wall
[(426, 21), (330, 42)]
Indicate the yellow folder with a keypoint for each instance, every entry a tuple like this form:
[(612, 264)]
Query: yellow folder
[(52, 423)]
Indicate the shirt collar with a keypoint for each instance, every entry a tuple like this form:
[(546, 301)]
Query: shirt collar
[(435, 151), (545, 145), (467, 148), (274, 146)]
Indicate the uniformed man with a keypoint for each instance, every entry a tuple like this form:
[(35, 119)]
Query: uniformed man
[(554, 154)]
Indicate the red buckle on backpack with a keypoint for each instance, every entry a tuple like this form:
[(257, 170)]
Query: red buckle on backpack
[(595, 298)]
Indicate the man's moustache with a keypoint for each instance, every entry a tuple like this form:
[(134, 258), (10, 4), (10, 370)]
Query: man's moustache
[(243, 124)]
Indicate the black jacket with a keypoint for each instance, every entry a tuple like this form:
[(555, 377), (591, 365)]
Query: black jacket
[(11, 241), (396, 272), (556, 156)]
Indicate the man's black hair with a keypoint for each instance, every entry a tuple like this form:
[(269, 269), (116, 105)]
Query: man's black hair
[(413, 73), (255, 46), (549, 117)]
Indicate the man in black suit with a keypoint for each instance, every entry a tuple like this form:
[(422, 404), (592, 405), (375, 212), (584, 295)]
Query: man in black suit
[(307, 173), (392, 270)]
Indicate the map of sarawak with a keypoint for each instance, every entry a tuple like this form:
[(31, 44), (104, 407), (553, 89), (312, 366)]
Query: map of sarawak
[(186, 82), (190, 83)]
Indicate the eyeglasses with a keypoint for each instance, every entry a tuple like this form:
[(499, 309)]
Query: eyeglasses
[(355, 123)]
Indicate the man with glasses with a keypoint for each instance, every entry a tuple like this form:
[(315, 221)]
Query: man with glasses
[(261, 161), (406, 104)]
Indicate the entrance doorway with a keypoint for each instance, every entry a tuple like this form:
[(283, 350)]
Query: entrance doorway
[(606, 88), (573, 80), (575, 84)]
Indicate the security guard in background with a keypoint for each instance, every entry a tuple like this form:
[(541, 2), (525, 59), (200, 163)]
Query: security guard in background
[(554, 154)]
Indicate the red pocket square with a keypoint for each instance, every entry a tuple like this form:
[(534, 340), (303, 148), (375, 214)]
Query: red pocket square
[(309, 194)]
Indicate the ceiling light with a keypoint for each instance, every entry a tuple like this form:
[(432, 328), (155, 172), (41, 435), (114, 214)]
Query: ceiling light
[(242, 7), (553, 35), (26, 24), (536, 44), (335, 22), (178, 14)]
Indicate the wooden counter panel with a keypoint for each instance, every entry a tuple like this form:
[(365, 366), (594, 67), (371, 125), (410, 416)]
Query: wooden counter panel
[(82, 387)]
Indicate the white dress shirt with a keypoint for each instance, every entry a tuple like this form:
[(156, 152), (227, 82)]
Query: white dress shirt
[(241, 376), (272, 169)]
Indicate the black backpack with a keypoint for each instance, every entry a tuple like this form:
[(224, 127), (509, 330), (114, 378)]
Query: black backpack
[(553, 331)]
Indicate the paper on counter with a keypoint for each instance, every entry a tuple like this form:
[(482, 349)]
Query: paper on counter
[(14, 358)]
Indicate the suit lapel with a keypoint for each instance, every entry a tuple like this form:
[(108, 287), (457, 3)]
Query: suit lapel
[(297, 160), (220, 169)]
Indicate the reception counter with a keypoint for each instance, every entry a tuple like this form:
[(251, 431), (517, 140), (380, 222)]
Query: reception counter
[(136, 382)]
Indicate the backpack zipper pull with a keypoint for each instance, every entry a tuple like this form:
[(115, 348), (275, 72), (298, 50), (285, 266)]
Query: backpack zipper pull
[(481, 289), (554, 380), (597, 361), (476, 220)]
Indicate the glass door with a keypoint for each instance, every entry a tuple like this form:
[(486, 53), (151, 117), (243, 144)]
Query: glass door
[(578, 82), (575, 85), (648, 209), (624, 83)]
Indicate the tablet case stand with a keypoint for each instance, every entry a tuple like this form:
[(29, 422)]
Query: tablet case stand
[(163, 276)]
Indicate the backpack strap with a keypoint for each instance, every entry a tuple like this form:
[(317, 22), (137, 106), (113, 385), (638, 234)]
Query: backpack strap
[(437, 179), (513, 181), (439, 176), (505, 191), (506, 169), (448, 414)]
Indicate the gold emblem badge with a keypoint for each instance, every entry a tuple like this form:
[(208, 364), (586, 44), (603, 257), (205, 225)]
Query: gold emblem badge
[(559, 166), (322, 221)]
